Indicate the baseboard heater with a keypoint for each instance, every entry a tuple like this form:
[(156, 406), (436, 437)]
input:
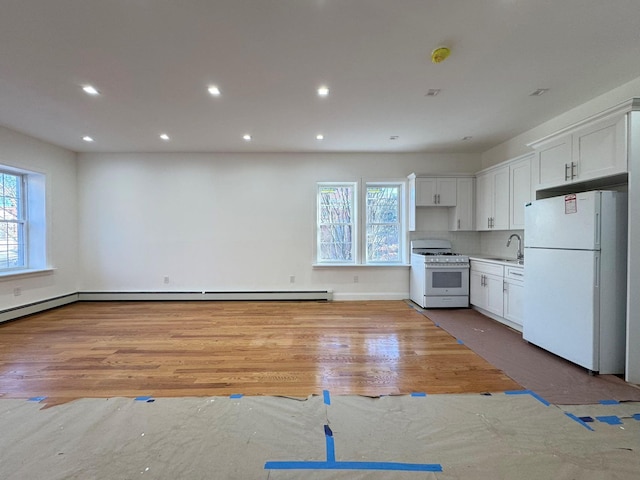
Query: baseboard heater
[(36, 307), (41, 306), (292, 295)]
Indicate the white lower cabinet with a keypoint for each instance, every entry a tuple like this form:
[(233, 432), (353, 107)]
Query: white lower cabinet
[(497, 291), (514, 294), (485, 290)]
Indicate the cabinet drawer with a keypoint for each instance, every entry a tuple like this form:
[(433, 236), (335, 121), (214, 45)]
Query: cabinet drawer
[(489, 268), (514, 273)]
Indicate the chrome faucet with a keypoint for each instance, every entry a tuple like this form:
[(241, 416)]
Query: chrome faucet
[(519, 253)]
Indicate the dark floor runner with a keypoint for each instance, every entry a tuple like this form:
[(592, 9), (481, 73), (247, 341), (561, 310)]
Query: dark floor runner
[(553, 378)]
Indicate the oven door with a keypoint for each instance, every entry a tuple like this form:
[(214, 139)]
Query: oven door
[(447, 280)]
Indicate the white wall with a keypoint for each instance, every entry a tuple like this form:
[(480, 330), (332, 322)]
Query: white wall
[(518, 145), (59, 167), (227, 222)]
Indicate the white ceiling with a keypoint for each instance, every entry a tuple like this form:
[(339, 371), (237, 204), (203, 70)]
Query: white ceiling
[(152, 60)]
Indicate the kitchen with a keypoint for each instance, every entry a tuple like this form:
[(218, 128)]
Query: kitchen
[(498, 286)]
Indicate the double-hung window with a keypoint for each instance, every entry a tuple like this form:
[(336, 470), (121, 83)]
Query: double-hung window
[(337, 227), (12, 221), (340, 221), (383, 223)]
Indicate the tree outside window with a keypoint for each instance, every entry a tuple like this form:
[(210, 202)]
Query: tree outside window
[(11, 221)]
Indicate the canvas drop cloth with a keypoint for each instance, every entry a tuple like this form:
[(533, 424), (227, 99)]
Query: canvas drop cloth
[(470, 436)]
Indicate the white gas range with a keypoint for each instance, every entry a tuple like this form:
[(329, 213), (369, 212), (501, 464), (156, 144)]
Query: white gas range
[(439, 278)]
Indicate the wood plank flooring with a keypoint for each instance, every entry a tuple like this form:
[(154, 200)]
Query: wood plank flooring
[(170, 349)]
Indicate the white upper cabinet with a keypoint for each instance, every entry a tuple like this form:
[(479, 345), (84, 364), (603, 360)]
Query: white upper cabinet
[(520, 192), (492, 199), (436, 192), (461, 217), (595, 148)]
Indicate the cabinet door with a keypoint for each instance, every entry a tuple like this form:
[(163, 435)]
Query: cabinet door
[(477, 290), (426, 189), (514, 301), (484, 194), (552, 163), (600, 150), (461, 217), (495, 294), (520, 192), (500, 205), (447, 192)]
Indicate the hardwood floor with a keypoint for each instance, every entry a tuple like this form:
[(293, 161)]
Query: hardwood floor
[(170, 349)]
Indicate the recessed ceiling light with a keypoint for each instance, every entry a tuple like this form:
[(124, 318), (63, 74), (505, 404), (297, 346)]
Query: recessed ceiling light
[(432, 92), (538, 92), (247, 137), (319, 137), (90, 90), (87, 138), (323, 91), (164, 136), (214, 90)]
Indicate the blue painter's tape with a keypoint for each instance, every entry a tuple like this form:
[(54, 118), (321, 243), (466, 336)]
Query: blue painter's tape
[(586, 419), (327, 397), (144, 398), (609, 402), (327, 431), (610, 419), (460, 342), (331, 449), (636, 416), (235, 395), (579, 420), (37, 399), (418, 394), (528, 392), (408, 467)]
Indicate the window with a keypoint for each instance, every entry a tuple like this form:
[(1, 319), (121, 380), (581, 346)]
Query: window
[(12, 221), (23, 221), (336, 223), (339, 224), (384, 227)]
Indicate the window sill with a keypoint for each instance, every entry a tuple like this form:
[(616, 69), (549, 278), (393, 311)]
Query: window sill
[(8, 275), (361, 265)]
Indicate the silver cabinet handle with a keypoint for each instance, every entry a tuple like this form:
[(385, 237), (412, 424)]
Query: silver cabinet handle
[(504, 286), (435, 199), (517, 274), (458, 224), (573, 173), (566, 172)]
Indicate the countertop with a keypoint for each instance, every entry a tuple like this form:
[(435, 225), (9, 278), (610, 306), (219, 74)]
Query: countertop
[(511, 262)]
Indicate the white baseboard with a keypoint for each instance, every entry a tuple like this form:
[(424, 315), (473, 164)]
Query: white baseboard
[(343, 297)]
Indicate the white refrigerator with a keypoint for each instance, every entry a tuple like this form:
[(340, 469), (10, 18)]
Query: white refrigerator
[(576, 278)]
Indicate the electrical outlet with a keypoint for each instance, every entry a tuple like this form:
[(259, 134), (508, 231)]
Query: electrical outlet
[(166, 279), (292, 279), (17, 291)]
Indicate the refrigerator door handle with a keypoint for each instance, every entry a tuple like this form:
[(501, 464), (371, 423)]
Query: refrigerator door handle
[(597, 228), (596, 271)]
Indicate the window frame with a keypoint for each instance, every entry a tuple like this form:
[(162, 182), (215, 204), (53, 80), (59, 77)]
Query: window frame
[(360, 223), (400, 223), (354, 223), (21, 221)]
